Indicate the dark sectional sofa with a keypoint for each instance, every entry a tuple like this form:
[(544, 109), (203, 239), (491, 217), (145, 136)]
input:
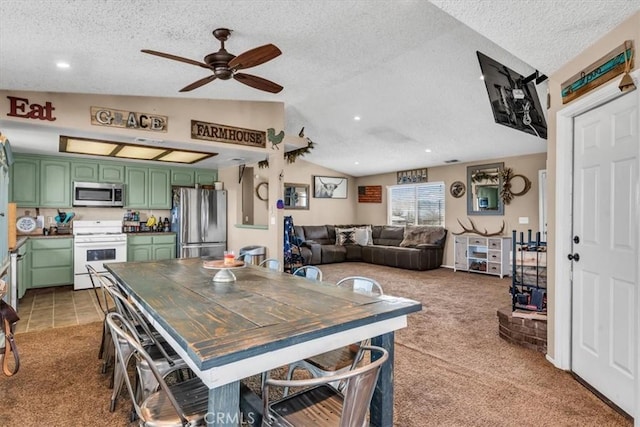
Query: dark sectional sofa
[(394, 246)]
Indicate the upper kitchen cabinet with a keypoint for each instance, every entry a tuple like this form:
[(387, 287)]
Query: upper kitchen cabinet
[(148, 188), (183, 177), (55, 184), (193, 177), (46, 181), (159, 189), (40, 182), (86, 171), (24, 187), (206, 177), (136, 188), (111, 173)]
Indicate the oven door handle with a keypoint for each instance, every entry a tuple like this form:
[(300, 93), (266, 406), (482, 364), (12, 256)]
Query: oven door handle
[(101, 245)]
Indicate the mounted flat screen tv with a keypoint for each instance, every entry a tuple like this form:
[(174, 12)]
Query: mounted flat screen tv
[(514, 102)]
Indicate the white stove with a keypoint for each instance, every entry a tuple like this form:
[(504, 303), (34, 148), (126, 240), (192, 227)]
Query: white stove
[(96, 243)]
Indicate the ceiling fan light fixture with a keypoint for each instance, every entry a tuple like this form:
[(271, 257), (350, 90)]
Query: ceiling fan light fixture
[(224, 65)]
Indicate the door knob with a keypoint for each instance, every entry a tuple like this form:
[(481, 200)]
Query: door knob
[(574, 257)]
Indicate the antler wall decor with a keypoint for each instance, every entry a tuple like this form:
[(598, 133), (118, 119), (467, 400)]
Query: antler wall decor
[(505, 193), (473, 229)]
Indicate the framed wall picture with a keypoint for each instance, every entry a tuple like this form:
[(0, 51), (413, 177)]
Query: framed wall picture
[(330, 187)]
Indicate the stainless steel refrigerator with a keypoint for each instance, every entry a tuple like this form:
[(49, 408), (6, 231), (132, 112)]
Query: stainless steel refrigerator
[(199, 219)]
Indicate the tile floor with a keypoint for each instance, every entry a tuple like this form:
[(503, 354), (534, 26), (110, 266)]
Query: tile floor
[(56, 307)]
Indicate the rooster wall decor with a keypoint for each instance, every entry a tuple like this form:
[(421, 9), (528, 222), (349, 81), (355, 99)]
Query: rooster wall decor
[(275, 139)]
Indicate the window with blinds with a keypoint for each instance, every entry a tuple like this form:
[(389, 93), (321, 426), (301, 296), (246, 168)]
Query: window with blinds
[(419, 204)]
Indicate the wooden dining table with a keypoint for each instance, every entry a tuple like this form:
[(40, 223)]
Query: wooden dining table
[(227, 331)]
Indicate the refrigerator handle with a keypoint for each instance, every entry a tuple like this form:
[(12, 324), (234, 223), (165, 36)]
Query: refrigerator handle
[(204, 214)]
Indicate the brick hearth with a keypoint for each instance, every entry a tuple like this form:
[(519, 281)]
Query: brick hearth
[(523, 329)]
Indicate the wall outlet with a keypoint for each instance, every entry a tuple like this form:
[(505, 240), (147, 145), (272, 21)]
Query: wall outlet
[(523, 220)]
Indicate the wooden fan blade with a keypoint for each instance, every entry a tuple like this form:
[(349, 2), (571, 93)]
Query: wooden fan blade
[(254, 57), (258, 82), (199, 83), (176, 58)]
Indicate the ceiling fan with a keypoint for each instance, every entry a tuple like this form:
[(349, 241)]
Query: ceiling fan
[(225, 65)]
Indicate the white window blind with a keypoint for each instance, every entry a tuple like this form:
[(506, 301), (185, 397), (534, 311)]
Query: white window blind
[(419, 204)]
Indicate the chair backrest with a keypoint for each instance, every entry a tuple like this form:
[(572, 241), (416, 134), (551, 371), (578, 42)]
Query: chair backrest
[(103, 301), (310, 272), (127, 310), (361, 284), (271, 264), (121, 329), (358, 391)]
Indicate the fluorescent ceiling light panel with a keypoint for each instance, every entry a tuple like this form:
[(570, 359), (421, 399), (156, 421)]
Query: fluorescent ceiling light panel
[(183, 157), (89, 147), (96, 147), (139, 152)]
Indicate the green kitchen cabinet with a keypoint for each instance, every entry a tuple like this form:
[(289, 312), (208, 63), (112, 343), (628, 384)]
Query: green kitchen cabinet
[(151, 247), (4, 211), (55, 184), (25, 182), (206, 177), (41, 182), (111, 173), (84, 171), (148, 188), (51, 262), (183, 177), (164, 246), (159, 188), (136, 190)]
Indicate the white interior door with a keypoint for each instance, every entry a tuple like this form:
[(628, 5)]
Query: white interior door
[(604, 335)]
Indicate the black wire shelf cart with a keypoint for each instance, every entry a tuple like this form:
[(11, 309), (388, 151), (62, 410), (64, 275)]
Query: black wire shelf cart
[(529, 268), (293, 258)]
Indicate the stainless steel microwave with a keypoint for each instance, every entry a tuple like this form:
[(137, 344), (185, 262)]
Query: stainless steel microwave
[(99, 194)]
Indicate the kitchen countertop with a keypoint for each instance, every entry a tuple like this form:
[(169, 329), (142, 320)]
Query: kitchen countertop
[(22, 239), (149, 233), (51, 236), (19, 242)]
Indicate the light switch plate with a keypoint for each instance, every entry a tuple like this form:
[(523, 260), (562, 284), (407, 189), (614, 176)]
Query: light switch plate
[(523, 220)]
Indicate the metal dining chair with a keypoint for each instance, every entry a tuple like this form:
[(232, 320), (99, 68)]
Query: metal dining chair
[(321, 405), (102, 297), (165, 360), (182, 403), (311, 272), (340, 359), (271, 264)]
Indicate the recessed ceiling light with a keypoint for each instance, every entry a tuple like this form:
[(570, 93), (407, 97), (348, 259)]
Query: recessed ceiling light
[(356, 118), (428, 150), (357, 163), (63, 64), (482, 77)]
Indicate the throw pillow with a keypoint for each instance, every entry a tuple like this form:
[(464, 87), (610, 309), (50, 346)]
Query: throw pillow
[(363, 236), (345, 236), (418, 234)]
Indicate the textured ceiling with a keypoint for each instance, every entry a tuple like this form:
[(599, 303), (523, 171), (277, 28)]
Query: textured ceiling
[(407, 68)]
